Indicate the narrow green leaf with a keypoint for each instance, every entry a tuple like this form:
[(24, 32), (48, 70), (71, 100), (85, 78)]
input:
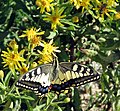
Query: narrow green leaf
[(7, 78)]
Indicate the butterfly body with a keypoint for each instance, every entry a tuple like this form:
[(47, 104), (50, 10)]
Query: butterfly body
[(56, 77)]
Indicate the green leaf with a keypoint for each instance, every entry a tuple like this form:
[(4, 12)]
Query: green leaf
[(52, 35), (21, 97), (37, 108), (11, 19), (105, 82), (7, 78), (76, 100), (2, 86), (70, 23)]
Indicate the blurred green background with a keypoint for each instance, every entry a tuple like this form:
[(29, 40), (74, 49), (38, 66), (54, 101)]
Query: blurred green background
[(85, 31)]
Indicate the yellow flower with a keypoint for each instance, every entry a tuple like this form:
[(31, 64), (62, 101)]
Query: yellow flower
[(30, 33), (35, 41), (49, 48), (55, 17), (45, 58), (48, 52), (117, 15), (23, 69), (12, 58), (81, 3), (104, 8), (44, 5)]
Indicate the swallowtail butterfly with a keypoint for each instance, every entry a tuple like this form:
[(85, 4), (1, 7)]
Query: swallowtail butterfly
[(56, 77)]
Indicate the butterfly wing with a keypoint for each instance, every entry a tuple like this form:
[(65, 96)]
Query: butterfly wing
[(73, 74), (37, 79)]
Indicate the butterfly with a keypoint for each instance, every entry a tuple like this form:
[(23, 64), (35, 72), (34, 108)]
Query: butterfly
[(56, 77)]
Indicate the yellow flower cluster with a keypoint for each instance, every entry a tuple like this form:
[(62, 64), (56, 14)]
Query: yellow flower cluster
[(33, 36), (48, 52), (12, 58), (15, 60), (55, 16), (104, 8), (98, 9), (101, 8), (81, 3)]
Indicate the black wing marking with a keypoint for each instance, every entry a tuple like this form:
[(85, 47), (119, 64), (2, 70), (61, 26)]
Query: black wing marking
[(36, 87), (74, 74)]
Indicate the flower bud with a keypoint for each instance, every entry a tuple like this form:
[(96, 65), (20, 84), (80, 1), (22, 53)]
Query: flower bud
[(75, 19), (34, 64), (1, 74), (66, 100)]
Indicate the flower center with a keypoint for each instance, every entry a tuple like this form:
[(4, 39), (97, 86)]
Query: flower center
[(35, 40), (13, 56), (43, 2), (55, 19)]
